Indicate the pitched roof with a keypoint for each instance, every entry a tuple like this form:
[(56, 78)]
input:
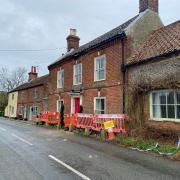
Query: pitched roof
[(34, 83), (163, 41), (101, 39)]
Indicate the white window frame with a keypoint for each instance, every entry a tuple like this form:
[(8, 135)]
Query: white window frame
[(35, 94), (35, 110), (60, 79), (151, 107), (96, 98), (74, 74), (57, 104), (97, 70)]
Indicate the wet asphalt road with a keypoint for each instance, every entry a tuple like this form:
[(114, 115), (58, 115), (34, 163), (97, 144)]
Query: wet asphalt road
[(28, 152)]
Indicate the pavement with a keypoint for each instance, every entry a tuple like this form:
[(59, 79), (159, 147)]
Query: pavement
[(28, 152)]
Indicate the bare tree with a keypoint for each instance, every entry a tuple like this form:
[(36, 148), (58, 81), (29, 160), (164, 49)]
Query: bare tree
[(10, 80)]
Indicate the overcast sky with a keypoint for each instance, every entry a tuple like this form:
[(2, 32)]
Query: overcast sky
[(45, 24)]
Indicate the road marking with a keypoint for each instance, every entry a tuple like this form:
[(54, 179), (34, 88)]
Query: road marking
[(2, 129), (70, 168), (21, 139)]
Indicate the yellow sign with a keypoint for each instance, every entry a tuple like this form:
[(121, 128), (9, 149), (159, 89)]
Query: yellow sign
[(108, 124)]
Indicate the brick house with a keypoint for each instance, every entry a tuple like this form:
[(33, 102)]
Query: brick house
[(153, 78), (32, 96), (92, 75)]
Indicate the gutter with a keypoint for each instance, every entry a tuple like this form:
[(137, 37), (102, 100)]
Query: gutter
[(123, 70)]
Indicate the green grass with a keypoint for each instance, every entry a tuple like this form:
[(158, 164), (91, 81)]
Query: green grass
[(146, 144)]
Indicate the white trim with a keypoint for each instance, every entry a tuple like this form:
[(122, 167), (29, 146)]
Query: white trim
[(57, 110), (59, 78), (95, 75), (95, 98), (74, 74)]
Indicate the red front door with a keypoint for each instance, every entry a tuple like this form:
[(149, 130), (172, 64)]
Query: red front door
[(77, 105)]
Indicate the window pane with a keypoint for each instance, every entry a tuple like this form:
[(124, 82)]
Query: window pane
[(171, 112), (159, 111), (178, 112), (163, 111), (101, 74), (178, 97), (170, 98), (162, 97), (102, 104), (159, 98)]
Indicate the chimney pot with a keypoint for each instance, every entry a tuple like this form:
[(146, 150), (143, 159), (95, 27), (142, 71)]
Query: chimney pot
[(33, 74), (72, 40), (73, 32)]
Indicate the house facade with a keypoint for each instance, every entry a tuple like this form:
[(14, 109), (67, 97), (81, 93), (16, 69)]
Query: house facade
[(11, 108), (92, 75), (32, 96), (153, 78)]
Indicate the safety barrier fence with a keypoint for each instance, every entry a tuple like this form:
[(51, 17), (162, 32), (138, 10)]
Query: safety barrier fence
[(96, 122), (48, 117), (87, 121)]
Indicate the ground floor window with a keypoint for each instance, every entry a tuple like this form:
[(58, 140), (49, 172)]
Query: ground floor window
[(59, 104), (21, 109), (35, 110), (99, 105), (165, 105)]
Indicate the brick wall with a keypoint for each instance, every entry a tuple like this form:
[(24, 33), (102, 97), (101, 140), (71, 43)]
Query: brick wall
[(110, 88), (28, 99)]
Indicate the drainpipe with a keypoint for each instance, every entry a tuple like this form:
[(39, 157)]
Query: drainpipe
[(123, 70)]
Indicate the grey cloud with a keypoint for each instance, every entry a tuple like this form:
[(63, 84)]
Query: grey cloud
[(44, 24)]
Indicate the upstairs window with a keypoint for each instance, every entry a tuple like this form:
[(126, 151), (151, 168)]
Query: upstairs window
[(35, 94), (165, 105), (60, 79), (22, 96), (12, 96), (99, 105), (100, 68), (77, 79)]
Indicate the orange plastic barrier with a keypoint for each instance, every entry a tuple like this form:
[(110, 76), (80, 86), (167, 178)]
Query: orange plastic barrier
[(67, 120), (84, 120), (44, 116), (50, 117), (53, 118), (118, 120)]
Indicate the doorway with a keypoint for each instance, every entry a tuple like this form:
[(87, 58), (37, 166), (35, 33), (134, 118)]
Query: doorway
[(76, 101)]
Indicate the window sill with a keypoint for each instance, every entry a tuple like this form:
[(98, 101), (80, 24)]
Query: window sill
[(99, 80), (164, 120)]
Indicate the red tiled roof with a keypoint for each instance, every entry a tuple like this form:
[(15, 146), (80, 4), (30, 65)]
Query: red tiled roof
[(162, 41), (36, 82)]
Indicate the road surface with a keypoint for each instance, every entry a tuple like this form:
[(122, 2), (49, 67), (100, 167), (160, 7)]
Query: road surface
[(28, 152)]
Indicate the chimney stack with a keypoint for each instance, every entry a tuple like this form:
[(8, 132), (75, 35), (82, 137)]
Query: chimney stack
[(149, 4), (72, 40), (33, 74)]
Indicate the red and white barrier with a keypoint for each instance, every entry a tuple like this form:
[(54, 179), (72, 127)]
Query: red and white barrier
[(85, 120)]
